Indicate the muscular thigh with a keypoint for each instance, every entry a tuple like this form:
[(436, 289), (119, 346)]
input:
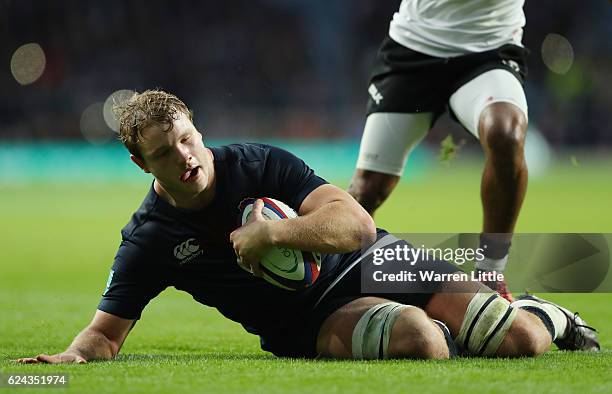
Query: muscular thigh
[(451, 304), (493, 86), (388, 139), (336, 333), (336, 340)]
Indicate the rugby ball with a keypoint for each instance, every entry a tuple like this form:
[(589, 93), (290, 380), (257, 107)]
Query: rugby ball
[(289, 269)]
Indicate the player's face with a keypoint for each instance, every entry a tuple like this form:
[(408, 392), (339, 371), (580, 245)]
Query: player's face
[(177, 158)]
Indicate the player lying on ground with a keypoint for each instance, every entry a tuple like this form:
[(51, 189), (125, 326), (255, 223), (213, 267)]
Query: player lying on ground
[(468, 59), (184, 235)]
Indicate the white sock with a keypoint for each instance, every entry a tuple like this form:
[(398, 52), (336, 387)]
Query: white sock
[(554, 314), (489, 264)]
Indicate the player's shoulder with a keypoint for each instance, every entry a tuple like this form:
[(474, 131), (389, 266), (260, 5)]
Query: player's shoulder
[(247, 152), (150, 232), (146, 220)]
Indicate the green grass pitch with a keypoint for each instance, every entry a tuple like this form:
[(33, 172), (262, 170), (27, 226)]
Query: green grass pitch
[(58, 241)]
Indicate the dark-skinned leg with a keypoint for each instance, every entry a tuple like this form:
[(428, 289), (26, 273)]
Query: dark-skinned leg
[(502, 130), (386, 143), (371, 188)]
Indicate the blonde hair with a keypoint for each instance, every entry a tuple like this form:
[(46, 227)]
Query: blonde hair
[(151, 107)]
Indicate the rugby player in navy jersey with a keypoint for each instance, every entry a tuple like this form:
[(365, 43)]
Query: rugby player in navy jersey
[(185, 235)]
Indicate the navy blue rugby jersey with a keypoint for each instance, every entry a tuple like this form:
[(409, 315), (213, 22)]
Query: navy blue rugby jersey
[(166, 246)]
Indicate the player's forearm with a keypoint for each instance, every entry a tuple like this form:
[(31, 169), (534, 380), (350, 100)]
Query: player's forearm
[(92, 345), (333, 228)]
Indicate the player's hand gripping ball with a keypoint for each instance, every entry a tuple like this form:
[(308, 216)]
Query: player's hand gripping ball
[(289, 269)]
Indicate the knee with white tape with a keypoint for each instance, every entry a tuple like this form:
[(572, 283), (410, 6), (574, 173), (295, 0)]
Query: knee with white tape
[(553, 319), (373, 331), (487, 321)]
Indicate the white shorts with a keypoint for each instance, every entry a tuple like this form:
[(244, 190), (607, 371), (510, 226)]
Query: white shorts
[(388, 138)]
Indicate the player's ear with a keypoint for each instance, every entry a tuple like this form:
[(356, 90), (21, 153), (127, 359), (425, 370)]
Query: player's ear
[(140, 163)]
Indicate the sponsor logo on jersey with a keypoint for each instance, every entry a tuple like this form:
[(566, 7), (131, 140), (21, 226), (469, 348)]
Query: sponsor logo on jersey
[(187, 251), (375, 94)]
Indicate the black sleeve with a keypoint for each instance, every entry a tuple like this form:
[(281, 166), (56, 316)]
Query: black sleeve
[(132, 283), (287, 178)]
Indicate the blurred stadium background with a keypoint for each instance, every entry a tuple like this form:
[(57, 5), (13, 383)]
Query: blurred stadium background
[(288, 72)]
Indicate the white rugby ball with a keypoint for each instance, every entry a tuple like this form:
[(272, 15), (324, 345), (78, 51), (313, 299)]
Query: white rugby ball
[(289, 269)]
